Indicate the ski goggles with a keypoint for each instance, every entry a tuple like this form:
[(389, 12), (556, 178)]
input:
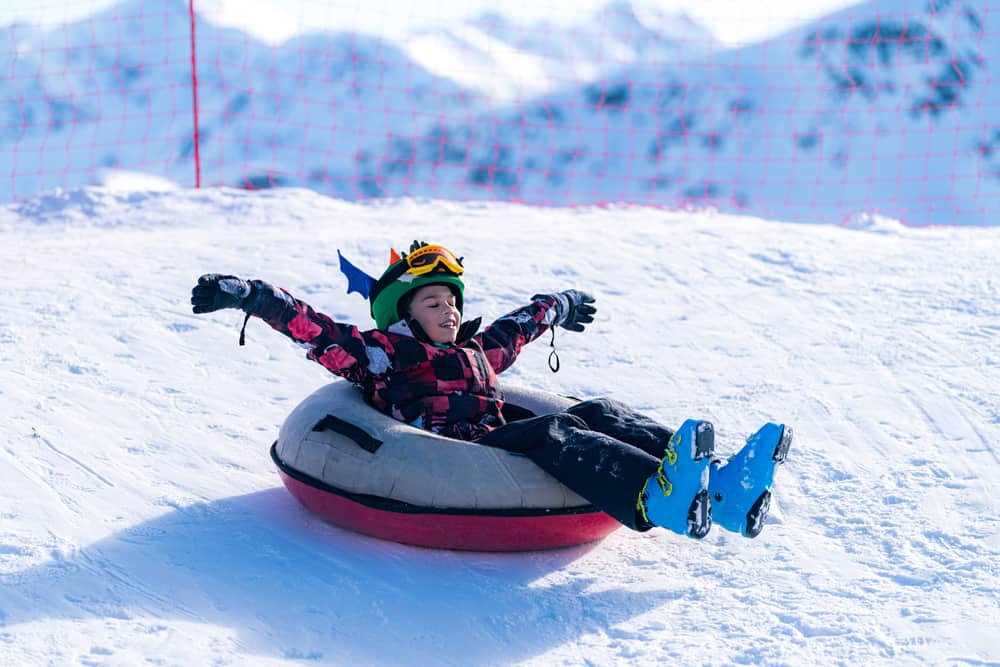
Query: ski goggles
[(432, 258)]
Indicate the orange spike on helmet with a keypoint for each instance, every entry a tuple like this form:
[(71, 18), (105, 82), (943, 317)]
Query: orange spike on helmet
[(393, 256)]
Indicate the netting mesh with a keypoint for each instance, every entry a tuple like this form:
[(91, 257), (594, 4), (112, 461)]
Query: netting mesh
[(885, 107)]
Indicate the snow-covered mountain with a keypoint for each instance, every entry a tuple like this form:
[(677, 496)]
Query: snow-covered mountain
[(142, 521), (882, 107), (511, 61), (114, 91)]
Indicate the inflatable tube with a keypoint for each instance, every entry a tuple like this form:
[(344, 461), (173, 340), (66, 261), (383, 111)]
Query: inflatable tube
[(362, 470)]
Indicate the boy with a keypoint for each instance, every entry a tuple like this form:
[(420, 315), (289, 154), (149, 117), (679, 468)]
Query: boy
[(424, 366)]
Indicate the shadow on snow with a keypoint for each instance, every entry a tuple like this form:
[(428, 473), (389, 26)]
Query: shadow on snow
[(293, 586)]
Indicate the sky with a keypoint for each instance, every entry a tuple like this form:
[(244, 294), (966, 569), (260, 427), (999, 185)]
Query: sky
[(734, 22)]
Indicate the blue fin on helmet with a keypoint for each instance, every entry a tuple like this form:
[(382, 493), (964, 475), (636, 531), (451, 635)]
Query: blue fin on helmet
[(357, 280)]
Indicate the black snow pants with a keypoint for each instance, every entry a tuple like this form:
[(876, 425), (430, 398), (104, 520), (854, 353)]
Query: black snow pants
[(601, 449)]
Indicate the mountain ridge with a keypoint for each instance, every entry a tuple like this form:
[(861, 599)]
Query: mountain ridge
[(875, 108)]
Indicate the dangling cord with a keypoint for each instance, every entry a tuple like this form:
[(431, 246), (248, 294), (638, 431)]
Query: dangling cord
[(243, 331), (553, 365)]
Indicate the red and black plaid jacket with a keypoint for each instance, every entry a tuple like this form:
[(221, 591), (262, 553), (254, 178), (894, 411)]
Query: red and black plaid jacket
[(451, 390)]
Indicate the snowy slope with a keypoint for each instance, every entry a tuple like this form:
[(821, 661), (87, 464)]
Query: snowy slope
[(141, 519)]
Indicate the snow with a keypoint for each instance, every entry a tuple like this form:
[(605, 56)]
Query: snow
[(476, 61), (141, 519), (132, 181)]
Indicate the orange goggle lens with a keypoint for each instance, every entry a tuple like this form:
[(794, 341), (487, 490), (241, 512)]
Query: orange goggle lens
[(431, 257)]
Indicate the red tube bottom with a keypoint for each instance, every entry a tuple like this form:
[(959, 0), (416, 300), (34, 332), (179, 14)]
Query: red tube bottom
[(465, 532)]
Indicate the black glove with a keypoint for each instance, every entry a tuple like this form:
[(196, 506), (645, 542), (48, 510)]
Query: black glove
[(415, 246), (573, 309), (216, 291)]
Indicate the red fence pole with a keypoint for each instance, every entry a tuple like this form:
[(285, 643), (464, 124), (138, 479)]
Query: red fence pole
[(194, 93)]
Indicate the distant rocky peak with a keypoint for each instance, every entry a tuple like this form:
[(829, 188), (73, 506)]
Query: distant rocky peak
[(641, 20), (624, 21)]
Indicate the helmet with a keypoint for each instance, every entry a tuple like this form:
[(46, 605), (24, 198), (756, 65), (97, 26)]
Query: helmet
[(425, 265)]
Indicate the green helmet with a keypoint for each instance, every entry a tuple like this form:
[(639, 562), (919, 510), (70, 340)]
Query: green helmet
[(397, 281)]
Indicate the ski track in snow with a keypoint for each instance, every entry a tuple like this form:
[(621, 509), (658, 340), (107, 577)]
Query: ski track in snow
[(141, 519)]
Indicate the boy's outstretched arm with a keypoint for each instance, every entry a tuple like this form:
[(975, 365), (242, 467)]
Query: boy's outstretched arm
[(340, 348), (502, 341)]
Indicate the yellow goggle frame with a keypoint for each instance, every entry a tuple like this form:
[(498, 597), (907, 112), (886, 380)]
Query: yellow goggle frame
[(428, 258)]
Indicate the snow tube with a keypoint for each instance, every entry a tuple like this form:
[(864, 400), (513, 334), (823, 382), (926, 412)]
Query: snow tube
[(362, 470)]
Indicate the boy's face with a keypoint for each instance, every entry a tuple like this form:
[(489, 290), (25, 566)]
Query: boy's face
[(434, 307)]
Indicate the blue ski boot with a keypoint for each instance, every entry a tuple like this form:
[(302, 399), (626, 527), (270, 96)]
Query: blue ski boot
[(740, 488), (675, 497)]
